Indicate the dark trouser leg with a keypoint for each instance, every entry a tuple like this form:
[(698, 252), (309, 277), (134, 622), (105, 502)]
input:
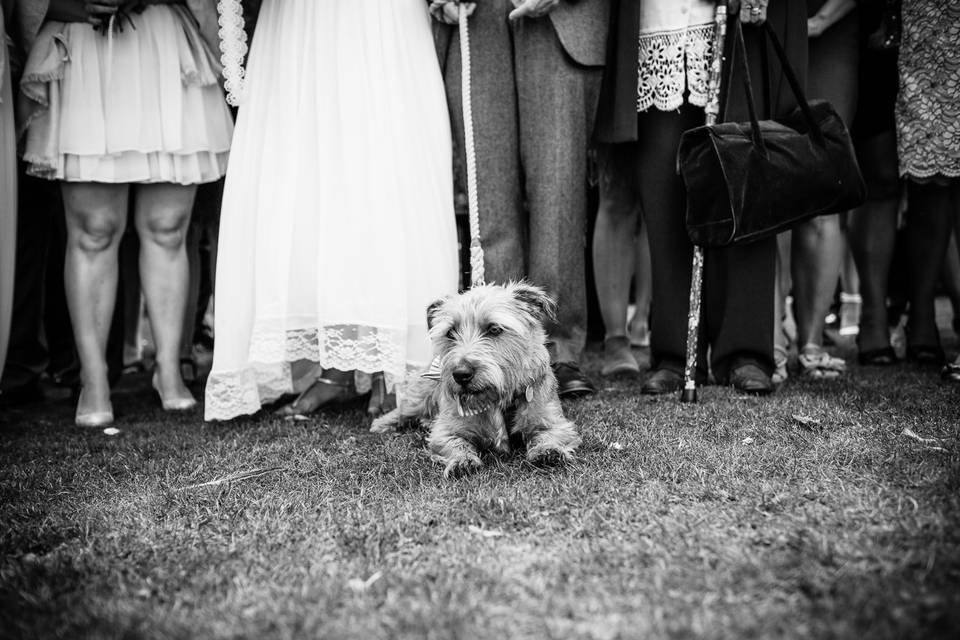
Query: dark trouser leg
[(739, 290), (663, 204), (558, 101), (27, 353)]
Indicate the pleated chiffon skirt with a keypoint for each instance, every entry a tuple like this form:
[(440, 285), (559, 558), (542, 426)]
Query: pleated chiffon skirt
[(137, 105), (337, 227)]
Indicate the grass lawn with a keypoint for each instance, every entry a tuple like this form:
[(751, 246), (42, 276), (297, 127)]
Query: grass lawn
[(807, 514)]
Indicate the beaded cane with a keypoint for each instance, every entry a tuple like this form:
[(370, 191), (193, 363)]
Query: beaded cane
[(712, 110)]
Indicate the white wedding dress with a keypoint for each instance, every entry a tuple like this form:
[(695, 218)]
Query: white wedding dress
[(337, 227)]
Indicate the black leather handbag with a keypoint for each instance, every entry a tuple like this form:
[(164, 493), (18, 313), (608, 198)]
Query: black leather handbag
[(750, 180)]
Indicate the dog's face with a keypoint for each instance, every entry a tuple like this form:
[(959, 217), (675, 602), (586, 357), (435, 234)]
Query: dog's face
[(491, 343)]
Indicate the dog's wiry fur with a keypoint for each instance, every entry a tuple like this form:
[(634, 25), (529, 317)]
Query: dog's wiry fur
[(495, 380)]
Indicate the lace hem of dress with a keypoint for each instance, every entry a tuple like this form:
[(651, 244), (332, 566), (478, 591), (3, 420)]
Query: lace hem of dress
[(937, 174), (344, 347), (672, 62), (364, 350)]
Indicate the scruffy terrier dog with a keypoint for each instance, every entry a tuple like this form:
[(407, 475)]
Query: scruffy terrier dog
[(491, 381)]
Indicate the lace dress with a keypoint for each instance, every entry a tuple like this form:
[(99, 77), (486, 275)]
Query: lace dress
[(337, 227), (928, 105), (676, 45)]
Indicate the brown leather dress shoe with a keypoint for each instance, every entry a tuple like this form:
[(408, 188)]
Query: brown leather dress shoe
[(749, 378)]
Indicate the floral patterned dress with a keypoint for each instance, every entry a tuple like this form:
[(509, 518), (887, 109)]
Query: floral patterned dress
[(928, 105)]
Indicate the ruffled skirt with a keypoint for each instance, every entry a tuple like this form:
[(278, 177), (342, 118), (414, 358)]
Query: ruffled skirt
[(140, 105), (337, 227)]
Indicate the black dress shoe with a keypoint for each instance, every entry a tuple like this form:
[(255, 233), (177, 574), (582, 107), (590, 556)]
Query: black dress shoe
[(662, 381), (571, 383), (749, 378)]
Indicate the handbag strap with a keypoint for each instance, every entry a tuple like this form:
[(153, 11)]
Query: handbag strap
[(739, 60), (798, 91)]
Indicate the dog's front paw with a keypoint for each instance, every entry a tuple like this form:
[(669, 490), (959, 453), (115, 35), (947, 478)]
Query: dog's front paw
[(386, 423), (461, 466), (548, 456)]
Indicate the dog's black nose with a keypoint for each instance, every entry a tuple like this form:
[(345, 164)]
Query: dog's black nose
[(463, 374)]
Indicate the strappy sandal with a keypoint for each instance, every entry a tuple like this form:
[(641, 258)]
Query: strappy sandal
[(341, 391), (817, 364)]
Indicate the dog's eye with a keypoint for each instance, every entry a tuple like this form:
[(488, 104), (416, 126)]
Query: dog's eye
[(452, 334), (494, 330)]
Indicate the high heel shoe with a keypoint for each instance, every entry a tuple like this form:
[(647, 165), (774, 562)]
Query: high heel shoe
[(173, 404), (322, 392), (92, 419)]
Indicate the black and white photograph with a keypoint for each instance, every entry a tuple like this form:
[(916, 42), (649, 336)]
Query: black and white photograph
[(455, 319)]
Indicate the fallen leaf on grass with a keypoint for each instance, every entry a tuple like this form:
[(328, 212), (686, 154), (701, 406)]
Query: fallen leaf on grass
[(486, 533), (234, 477), (359, 586), (805, 421), (297, 417), (747, 440), (616, 446), (111, 431)]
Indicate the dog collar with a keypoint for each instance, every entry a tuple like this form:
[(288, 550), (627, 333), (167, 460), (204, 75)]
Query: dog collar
[(433, 372)]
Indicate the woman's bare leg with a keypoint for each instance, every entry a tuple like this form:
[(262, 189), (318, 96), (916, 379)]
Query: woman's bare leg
[(162, 217), (96, 216)]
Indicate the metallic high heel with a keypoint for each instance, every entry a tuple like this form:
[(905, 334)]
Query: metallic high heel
[(345, 390), (173, 404)]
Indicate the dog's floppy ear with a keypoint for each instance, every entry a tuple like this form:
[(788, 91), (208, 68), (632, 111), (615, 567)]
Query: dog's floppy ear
[(433, 310), (541, 305)]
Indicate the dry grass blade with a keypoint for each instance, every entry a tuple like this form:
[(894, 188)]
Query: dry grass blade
[(234, 477)]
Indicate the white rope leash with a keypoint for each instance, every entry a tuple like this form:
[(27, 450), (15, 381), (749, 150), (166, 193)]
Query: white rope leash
[(476, 248)]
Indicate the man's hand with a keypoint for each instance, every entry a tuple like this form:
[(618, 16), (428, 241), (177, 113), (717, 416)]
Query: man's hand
[(448, 11), (751, 11), (532, 8)]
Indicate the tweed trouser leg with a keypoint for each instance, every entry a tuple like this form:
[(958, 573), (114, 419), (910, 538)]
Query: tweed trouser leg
[(533, 112)]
